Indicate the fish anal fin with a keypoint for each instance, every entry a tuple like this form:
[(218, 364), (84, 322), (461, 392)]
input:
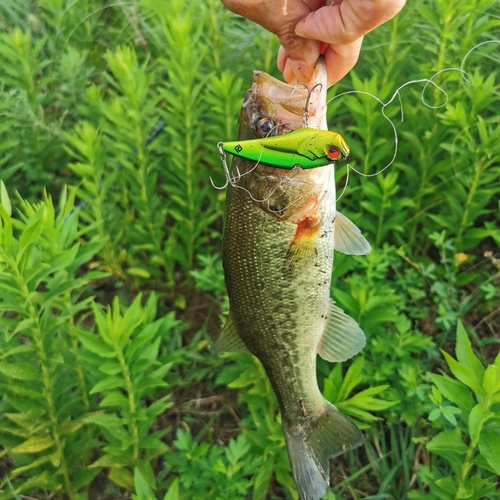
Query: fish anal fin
[(229, 340), (311, 444), (342, 337), (348, 238)]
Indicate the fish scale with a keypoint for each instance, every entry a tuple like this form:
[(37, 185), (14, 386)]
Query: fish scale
[(280, 231), (274, 301)]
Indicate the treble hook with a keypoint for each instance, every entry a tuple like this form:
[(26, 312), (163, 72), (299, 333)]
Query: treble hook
[(305, 115), (229, 179)]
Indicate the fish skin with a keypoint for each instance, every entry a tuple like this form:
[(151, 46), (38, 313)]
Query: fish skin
[(278, 246)]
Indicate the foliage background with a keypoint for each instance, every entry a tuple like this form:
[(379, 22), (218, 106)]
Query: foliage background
[(111, 284)]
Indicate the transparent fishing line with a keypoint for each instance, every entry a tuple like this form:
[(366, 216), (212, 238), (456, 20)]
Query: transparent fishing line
[(427, 81), (234, 178)]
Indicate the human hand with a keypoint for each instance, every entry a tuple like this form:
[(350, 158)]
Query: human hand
[(301, 26)]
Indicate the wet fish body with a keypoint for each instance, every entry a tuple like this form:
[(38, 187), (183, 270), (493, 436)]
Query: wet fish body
[(281, 229)]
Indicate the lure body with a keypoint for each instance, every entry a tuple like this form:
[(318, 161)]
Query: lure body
[(304, 147)]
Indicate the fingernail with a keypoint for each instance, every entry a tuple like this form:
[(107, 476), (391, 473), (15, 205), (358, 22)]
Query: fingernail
[(298, 30)]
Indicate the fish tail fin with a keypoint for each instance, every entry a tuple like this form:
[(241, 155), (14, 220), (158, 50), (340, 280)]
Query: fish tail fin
[(312, 443)]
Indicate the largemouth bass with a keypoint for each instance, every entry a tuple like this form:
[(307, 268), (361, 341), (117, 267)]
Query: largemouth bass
[(281, 229)]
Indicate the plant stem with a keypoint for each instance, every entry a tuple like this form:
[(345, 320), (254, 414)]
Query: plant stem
[(465, 468), (38, 337), (131, 402)]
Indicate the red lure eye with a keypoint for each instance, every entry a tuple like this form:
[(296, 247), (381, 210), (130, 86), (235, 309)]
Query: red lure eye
[(333, 153)]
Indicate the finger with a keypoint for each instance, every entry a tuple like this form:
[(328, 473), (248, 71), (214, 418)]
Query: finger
[(288, 74), (281, 60), (340, 59), (344, 23), (302, 54), (315, 4)]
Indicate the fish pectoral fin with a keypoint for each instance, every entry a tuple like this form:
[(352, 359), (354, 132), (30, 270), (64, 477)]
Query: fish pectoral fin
[(348, 238), (229, 340), (342, 338)]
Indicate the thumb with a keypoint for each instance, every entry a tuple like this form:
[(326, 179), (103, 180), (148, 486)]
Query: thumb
[(345, 23)]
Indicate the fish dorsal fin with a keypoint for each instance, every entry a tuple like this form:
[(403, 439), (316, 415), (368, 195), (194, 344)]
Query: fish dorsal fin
[(342, 338), (348, 238), (229, 340)]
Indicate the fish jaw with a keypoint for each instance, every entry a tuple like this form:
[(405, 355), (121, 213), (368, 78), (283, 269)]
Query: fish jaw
[(288, 196), (283, 104)]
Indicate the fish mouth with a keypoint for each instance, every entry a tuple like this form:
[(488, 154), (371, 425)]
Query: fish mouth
[(272, 107)]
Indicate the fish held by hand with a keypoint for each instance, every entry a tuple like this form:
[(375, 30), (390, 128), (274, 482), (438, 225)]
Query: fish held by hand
[(279, 237)]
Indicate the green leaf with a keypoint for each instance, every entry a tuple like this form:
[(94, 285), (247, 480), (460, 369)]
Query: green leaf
[(31, 465), (465, 374), (261, 482), (491, 380), (104, 420), (21, 371), (17, 350), (454, 391), (31, 233), (138, 272), (115, 398), (173, 491), (143, 490), (447, 484), (83, 477), (111, 368), (4, 198), (94, 343), (477, 418), (34, 445), (464, 352), (111, 461), (489, 444), (447, 441), (352, 378), (111, 382), (122, 477)]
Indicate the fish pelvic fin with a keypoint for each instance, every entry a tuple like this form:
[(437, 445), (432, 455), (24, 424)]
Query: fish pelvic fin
[(229, 340), (311, 444)]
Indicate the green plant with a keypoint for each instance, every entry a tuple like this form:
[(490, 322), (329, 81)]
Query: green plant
[(206, 470), (136, 95), (126, 356), (43, 383), (471, 447)]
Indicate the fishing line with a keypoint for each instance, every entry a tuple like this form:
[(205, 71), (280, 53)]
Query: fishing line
[(235, 178), (428, 81)]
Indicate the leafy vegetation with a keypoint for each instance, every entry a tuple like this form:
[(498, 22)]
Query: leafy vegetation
[(111, 287)]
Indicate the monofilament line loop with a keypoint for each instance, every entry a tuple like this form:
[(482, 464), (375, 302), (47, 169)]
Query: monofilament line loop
[(427, 81)]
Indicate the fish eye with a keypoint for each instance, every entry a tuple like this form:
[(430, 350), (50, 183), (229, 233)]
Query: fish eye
[(263, 126), (333, 152)]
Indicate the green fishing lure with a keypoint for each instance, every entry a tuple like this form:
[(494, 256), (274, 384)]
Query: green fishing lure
[(304, 147)]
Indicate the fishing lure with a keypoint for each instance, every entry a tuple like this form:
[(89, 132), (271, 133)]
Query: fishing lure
[(304, 147)]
